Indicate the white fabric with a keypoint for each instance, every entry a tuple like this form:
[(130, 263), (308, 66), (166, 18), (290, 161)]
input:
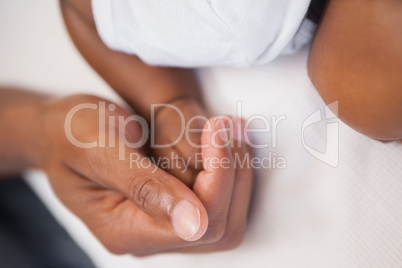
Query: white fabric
[(203, 32), (308, 215)]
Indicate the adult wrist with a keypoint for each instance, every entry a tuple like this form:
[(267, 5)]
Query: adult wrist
[(25, 127)]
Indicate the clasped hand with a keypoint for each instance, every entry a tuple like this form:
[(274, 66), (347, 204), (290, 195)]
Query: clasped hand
[(144, 210)]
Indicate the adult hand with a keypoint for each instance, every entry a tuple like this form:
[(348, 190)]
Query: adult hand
[(142, 209)]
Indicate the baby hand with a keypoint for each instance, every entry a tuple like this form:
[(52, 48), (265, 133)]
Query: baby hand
[(177, 130), (144, 210)]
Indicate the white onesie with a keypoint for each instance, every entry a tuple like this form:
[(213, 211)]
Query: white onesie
[(198, 33)]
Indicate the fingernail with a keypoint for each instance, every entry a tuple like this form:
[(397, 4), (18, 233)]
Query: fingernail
[(220, 126), (238, 129), (186, 219)]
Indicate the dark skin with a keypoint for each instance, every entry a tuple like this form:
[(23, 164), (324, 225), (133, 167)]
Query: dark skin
[(142, 85), (129, 209), (18, 145), (364, 34), (356, 59)]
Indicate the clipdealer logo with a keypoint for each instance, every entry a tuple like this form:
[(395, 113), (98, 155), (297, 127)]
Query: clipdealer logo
[(330, 155), (268, 126)]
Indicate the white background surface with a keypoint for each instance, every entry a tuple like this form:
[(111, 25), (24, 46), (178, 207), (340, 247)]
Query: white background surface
[(307, 215)]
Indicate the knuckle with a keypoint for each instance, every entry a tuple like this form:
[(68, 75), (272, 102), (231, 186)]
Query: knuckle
[(146, 192)]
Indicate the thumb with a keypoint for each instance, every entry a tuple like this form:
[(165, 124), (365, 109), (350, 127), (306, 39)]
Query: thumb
[(160, 195), (163, 197)]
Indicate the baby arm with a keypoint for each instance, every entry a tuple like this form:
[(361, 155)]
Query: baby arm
[(356, 59), (142, 86)]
